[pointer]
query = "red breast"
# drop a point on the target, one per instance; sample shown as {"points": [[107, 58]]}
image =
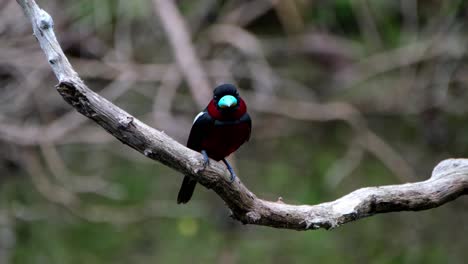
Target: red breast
{"points": [[234, 115]]}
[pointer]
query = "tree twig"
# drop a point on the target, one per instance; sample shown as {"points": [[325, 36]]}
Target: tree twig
{"points": [[449, 179], [184, 52]]}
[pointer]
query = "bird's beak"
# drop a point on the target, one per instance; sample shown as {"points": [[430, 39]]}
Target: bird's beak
{"points": [[227, 101]]}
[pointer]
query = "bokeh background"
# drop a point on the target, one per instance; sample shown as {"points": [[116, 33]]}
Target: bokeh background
{"points": [[343, 94]]}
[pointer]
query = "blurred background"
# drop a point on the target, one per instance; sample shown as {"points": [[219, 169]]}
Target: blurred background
{"points": [[343, 94]]}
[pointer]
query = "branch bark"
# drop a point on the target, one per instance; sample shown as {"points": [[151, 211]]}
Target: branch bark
{"points": [[449, 179]]}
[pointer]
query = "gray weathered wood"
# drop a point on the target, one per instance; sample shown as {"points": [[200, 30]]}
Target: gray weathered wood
{"points": [[448, 181]]}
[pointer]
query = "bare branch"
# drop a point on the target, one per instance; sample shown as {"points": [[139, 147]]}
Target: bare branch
{"points": [[184, 52], [449, 179], [247, 12]]}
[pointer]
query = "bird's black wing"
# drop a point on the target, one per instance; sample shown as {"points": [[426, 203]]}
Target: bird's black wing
{"points": [[246, 119], [202, 123]]}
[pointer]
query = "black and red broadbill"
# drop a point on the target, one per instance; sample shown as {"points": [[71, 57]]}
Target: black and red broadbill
{"points": [[218, 131]]}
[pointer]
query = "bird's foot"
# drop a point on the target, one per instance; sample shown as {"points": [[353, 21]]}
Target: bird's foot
{"points": [[206, 160], [230, 169]]}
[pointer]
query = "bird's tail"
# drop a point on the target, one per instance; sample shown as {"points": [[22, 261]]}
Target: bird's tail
{"points": [[186, 190]]}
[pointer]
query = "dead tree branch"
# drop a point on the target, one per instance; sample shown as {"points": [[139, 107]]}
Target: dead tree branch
{"points": [[449, 179]]}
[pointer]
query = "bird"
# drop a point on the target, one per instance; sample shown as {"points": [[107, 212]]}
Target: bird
{"points": [[217, 131]]}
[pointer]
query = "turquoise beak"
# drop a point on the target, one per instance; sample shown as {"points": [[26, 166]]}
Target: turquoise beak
{"points": [[227, 101]]}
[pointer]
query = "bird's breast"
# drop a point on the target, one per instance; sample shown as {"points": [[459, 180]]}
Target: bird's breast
{"points": [[222, 140]]}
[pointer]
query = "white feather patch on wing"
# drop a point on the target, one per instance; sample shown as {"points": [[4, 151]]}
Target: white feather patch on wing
{"points": [[198, 116]]}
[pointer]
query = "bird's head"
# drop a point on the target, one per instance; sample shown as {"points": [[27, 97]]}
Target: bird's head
{"points": [[226, 97]]}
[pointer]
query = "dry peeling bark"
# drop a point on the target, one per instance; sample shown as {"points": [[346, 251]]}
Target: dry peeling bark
{"points": [[449, 179]]}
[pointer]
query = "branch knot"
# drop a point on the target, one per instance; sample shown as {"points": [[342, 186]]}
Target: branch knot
{"points": [[253, 216], [45, 20], [448, 167]]}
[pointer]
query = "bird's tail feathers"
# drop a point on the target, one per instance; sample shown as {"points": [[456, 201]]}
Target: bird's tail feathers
{"points": [[186, 190]]}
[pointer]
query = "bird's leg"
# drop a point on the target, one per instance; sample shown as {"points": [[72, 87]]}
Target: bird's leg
{"points": [[230, 169], [206, 159]]}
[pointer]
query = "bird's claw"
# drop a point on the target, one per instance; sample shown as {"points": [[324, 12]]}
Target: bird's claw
{"points": [[233, 174], [206, 159]]}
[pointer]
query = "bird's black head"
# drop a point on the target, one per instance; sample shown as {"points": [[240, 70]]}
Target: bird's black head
{"points": [[225, 89], [226, 97]]}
